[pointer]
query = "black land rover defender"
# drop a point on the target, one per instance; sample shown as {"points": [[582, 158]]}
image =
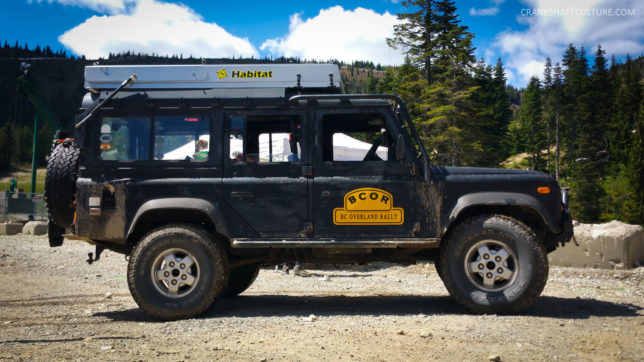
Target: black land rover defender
{"points": [[202, 174]]}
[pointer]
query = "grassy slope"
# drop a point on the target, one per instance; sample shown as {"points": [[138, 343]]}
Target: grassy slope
{"points": [[23, 175]]}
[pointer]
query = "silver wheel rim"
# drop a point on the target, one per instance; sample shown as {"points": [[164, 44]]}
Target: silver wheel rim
{"points": [[491, 265], [175, 273]]}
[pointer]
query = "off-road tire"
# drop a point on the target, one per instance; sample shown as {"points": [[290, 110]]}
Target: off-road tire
{"points": [[60, 183], [241, 278], [521, 290], [211, 278]]}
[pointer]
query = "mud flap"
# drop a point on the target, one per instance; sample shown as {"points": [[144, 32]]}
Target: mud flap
{"points": [[55, 234]]}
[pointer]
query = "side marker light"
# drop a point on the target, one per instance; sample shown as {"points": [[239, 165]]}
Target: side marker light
{"points": [[543, 190]]}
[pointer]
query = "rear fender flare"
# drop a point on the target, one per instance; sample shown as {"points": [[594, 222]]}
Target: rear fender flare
{"points": [[179, 204]]}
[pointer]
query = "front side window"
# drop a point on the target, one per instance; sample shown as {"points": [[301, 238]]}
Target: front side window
{"points": [[124, 138], [181, 138], [356, 137]]}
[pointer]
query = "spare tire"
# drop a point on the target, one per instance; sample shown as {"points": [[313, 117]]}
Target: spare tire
{"points": [[60, 183]]}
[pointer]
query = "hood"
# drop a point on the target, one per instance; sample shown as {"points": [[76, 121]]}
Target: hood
{"points": [[452, 170]]}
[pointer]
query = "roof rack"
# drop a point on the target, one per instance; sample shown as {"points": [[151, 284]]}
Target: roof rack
{"points": [[208, 76]]}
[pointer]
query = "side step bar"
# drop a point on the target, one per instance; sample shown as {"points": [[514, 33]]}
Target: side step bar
{"points": [[336, 243]]}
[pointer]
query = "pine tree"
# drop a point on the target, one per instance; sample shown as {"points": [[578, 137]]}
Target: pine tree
{"points": [[409, 84], [6, 146], [547, 107], [502, 113], [372, 84], [601, 104], [449, 117], [494, 113], [484, 100], [415, 34], [532, 124], [634, 207], [556, 91], [593, 104], [571, 89], [627, 101], [386, 83]]}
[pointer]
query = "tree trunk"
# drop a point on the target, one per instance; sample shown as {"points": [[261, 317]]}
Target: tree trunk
{"points": [[557, 146], [548, 143]]}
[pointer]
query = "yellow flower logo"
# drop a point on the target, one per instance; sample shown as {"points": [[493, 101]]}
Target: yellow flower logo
{"points": [[222, 73]]}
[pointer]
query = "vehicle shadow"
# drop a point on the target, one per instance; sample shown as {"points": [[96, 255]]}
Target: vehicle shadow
{"points": [[399, 305]]}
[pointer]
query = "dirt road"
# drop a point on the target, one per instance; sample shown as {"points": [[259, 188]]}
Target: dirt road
{"points": [[54, 306]]}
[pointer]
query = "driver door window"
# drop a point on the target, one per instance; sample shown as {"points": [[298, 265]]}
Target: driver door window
{"points": [[355, 137]]}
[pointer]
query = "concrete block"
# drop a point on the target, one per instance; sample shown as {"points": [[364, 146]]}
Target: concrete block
{"points": [[7, 228], [35, 228], [614, 245]]}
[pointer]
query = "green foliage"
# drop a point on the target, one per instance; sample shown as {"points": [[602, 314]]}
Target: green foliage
{"points": [[627, 100], [6, 133], [22, 142], [437, 83], [494, 112], [618, 193], [449, 131], [531, 124], [416, 33], [601, 110], [635, 206]]}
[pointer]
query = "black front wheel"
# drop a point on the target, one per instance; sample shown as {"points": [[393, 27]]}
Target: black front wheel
{"points": [[177, 271], [494, 264]]}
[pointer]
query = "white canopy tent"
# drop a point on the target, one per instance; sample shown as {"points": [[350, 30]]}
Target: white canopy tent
{"points": [[345, 148]]}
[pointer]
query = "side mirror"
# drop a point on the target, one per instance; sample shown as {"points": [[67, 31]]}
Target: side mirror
{"points": [[400, 148]]}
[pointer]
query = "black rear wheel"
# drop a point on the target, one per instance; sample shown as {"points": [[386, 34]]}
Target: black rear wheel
{"points": [[177, 271]]}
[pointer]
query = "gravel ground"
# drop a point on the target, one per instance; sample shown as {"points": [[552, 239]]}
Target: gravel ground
{"points": [[54, 306]]}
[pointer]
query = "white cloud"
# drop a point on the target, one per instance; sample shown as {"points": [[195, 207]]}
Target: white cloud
{"points": [[577, 22], [484, 12], [492, 10], [341, 34], [101, 6], [151, 26]]}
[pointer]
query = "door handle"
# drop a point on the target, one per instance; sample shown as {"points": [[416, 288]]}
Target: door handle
{"points": [[326, 194], [241, 194]]}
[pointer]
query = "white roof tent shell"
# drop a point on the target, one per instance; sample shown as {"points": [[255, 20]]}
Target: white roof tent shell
{"points": [[238, 80]]}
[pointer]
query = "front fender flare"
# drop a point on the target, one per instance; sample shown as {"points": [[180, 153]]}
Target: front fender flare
{"points": [[502, 199]]}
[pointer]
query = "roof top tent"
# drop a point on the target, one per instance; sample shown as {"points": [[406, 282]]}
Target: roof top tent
{"points": [[218, 81]]}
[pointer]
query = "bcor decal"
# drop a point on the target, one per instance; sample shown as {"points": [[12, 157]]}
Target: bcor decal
{"points": [[368, 206]]}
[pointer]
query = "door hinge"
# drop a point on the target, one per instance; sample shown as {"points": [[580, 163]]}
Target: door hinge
{"points": [[412, 169]]}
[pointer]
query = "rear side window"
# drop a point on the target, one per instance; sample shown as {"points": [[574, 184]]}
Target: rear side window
{"points": [[165, 138], [125, 138], [265, 139], [181, 138]]}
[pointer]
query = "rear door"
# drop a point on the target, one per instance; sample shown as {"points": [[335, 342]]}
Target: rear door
{"points": [[264, 190]]}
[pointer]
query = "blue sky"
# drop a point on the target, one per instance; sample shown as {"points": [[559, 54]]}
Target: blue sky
{"points": [[341, 29]]}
